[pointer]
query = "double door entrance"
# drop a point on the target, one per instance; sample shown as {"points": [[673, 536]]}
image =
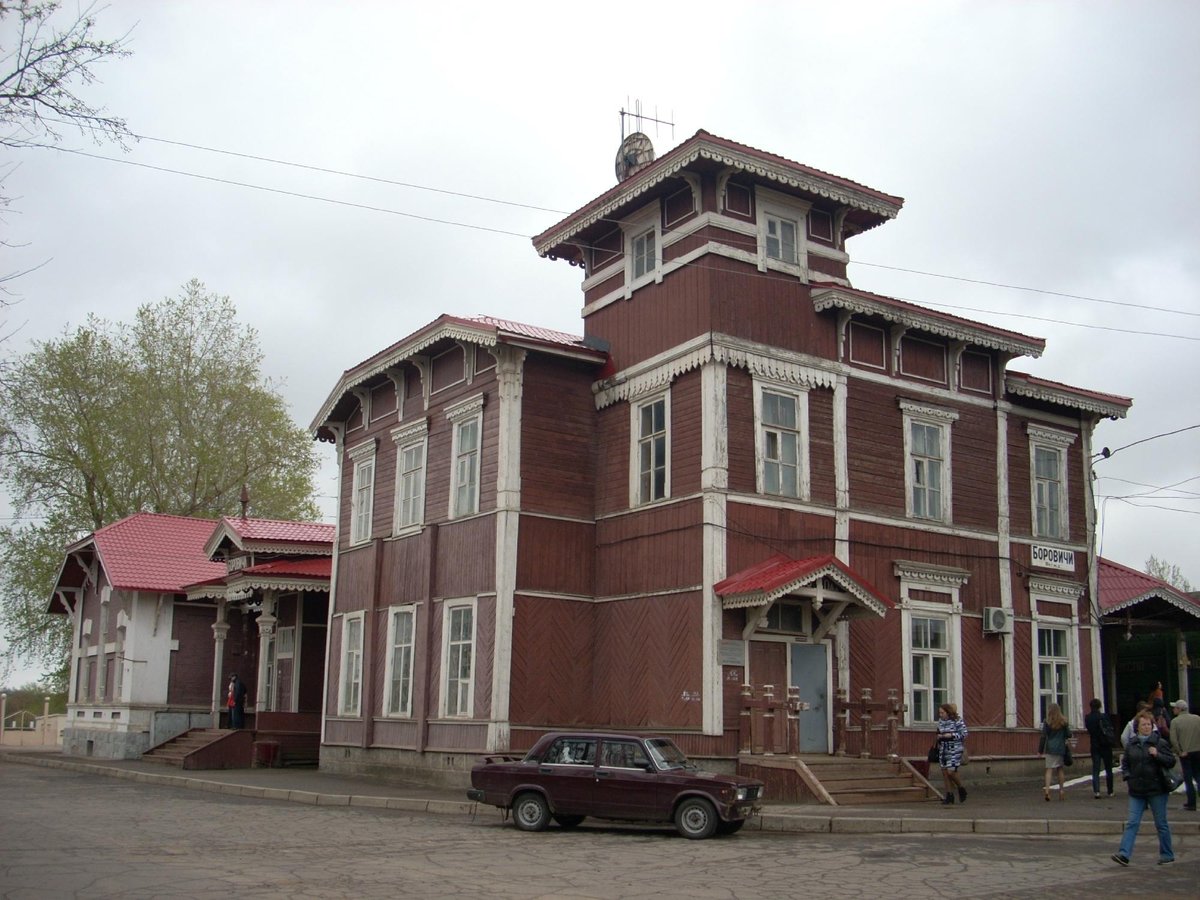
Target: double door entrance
{"points": [[807, 668]]}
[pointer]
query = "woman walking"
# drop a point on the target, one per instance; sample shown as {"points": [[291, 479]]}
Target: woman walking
{"points": [[1144, 766], [1054, 744], [952, 735]]}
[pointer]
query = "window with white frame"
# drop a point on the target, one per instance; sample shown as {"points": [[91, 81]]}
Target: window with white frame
{"points": [[644, 258], [643, 246], [1048, 464], [351, 671], [458, 627], [782, 441], [362, 491], [467, 420], [927, 461], [781, 239], [930, 666], [651, 448], [781, 235], [931, 618], [411, 444], [1054, 670], [399, 674]]}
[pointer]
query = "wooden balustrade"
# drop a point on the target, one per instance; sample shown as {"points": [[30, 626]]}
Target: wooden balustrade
{"points": [[858, 723], [770, 722]]}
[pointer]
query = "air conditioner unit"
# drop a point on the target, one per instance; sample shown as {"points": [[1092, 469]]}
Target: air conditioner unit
{"points": [[996, 620]]}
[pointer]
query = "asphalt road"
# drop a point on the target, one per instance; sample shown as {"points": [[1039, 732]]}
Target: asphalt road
{"points": [[68, 834]]}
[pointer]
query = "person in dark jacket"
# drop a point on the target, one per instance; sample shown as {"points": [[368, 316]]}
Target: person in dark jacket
{"points": [[1144, 766], [236, 700], [1055, 745], [1100, 730]]}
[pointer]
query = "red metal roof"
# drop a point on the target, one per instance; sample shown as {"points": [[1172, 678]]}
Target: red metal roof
{"points": [[780, 572], [155, 552], [318, 568], [252, 529], [1121, 587]]}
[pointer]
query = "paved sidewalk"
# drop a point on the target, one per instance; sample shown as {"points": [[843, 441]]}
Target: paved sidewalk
{"points": [[998, 809]]}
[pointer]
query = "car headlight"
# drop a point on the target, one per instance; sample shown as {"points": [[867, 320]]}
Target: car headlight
{"points": [[743, 794]]}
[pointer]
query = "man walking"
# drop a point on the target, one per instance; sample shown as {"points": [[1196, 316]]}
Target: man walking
{"points": [[1185, 741], [1103, 738]]}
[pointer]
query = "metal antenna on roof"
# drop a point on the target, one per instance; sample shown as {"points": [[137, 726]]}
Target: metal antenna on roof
{"points": [[244, 499], [638, 119]]}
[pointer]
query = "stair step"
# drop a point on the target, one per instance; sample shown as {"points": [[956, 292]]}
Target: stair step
{"points": [[890, 795], [874, 783]]}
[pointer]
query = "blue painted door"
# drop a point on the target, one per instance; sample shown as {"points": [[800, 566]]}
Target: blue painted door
{"points": [[810, 673]]}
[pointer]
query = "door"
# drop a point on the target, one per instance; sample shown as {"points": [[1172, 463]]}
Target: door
{"points": [[810, 673]]}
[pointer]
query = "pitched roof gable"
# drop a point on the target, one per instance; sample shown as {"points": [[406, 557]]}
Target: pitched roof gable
{"points": [[1121, 587], [153, 552]]}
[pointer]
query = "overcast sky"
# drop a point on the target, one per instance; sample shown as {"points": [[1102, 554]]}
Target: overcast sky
{"points": [[1050, 146]]}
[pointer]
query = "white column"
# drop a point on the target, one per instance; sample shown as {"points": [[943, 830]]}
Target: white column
{"points": [[220, 630], [266, 629], [714, 487], [841, 483], [509, 374], [1004, 566]]}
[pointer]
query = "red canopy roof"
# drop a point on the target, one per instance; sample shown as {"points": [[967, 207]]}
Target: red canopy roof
{"points": [[1121, 587], [779, 575], [278, 530]]}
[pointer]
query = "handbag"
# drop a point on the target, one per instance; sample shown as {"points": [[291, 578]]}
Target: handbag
{"points": [[1171, 779], [965, 758], [1068, 759], [934, 754]]}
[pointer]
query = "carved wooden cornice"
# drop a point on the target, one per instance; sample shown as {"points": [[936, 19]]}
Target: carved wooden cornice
{"points": [[1055, 588], [1064, 396], [759, 361], [925, 573]]}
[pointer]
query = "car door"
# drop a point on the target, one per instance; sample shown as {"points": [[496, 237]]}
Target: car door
{"points": [[567, 774], [626, 782]]}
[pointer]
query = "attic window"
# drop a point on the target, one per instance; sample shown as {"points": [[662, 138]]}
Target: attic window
{"points": [[820, 225]]}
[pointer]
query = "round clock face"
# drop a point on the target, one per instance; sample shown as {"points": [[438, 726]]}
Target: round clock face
{"points": [[635, 152]]}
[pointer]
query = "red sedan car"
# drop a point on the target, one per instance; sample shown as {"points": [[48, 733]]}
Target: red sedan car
{"points": [[570, 776]]}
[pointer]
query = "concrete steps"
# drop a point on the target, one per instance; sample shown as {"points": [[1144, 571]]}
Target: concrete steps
{"points": [[174, 751]]}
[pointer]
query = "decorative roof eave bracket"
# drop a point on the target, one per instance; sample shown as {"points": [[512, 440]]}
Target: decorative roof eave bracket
{"points": [[1081, 402], [1178, 602], [835, 298], [777, 172]]}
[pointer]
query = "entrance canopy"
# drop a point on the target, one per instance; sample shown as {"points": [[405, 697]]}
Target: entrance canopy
{"points": [[1134, 600], [824, 586]]}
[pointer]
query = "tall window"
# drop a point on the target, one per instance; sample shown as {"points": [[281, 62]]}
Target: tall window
{"points": [[400, 661], [927, 461], [781, 443], [362, 492], [1054, 670], [351, 675], [781, 239], [410, 479], [930, 665], [650, 450], [467, 419], [1048, 491], [459, 656], [644, 258]]}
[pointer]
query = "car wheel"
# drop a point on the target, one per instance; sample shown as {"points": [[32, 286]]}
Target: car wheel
{"points": [[530, 812], [696, 819], [568, 821], [730, 827]]}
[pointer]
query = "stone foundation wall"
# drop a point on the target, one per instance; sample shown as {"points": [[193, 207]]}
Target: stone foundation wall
{"points": [[452, 770], [104, 744]]}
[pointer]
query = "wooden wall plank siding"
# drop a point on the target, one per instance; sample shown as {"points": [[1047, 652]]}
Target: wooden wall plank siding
{"points": [[343, 732], [456, 737], [652, 549], [973, 468], [483, 659], [647, 662], [739, 407], [686, 433], [558, 444], [356, 578], [875, 446], [552, 662], [556, 556], [466, 558], [397, 733], [612, 459], [820, 447], [191, 667], [754, 533], [875, 547], [406, 569], [1023, 647]]}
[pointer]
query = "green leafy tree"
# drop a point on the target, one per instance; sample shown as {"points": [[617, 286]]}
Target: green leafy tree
{"points": [[168, 414], [1165, 571]]}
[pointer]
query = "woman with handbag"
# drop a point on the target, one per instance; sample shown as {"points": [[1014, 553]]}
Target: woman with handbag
{"points": [[951, 746], [1054, 744], [1144, 767]]}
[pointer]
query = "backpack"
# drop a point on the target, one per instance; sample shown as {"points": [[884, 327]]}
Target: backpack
{"points": [[1108, 737]]}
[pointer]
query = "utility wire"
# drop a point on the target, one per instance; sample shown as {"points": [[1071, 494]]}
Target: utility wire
{"points": [[520, 205], [1108, 454]]}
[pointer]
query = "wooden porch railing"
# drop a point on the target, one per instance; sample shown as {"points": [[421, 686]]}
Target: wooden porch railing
{"points": [[769, 722], [867, 727]]}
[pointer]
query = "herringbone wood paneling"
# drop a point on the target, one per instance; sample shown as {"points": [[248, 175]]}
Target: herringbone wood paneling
{"points": [[552, 662]]}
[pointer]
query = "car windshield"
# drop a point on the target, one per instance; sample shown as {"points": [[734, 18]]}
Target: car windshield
{"points": [[666, 755]]}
